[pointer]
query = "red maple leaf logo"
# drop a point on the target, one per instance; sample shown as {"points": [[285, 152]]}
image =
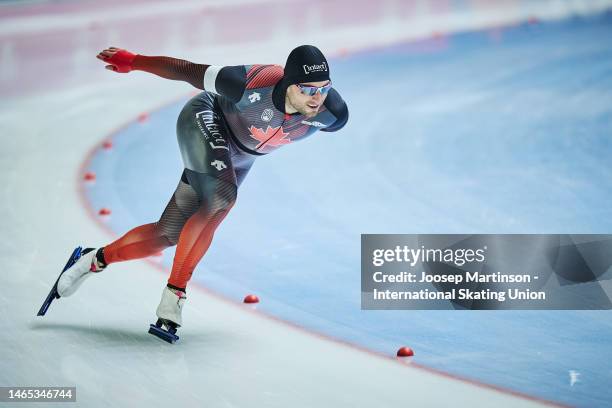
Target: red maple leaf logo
{"points": [[273, 136]]}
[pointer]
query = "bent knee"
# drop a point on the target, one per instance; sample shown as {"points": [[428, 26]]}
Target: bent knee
{"points": [[169, 231], [172, 237]]}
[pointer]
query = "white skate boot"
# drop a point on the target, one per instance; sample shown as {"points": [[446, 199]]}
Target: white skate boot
{"points": [[85, 267], [171, 306], [169, 315]]}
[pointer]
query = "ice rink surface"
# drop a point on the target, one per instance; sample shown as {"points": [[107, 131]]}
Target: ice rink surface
{"points": [[498, 131]]}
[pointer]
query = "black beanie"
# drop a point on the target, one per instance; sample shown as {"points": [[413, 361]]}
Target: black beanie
{"points": [[306, 63]]}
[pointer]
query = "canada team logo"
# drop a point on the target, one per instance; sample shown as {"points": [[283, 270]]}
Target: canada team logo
{"points": [[267, 115], [272, 136]]}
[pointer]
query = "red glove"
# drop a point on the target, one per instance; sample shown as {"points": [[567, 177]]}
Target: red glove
{"points": [[119, 60]]}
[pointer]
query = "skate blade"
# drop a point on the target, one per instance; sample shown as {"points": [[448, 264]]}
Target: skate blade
{"points": [[76, 254], [158, 331]]}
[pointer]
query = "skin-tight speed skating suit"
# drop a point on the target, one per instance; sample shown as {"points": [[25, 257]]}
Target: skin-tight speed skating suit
{"points": [[240, 115]]}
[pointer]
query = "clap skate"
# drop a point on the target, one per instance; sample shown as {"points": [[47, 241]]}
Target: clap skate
{"points": [[168, 315], [79, 267], [76, 254]]}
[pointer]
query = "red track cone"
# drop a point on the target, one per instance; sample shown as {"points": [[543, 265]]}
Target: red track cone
{"points": [[104, 211], [251, 299], [405, 352]]}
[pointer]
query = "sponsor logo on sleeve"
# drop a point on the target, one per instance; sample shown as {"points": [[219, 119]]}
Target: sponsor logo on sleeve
{"points": [[313, 123], [254, 97]]}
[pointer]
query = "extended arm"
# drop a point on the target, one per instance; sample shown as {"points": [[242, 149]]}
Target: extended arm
{"points": [[123, 61]]}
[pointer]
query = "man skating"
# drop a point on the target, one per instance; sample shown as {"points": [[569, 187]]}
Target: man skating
{"points": [[245, 111]]}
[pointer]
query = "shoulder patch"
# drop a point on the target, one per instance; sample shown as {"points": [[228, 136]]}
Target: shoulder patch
{"points": [[261, 76]]}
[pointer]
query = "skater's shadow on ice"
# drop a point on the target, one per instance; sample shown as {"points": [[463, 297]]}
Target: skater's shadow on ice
{"points": [[100, 333], [126, 337]]}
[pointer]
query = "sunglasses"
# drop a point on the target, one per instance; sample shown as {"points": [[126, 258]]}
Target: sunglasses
{"points": [[312, 90]]}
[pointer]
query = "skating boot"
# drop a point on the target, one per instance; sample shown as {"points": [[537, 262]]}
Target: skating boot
{"points": [[80, 265], [85, 267], [169, 315]]}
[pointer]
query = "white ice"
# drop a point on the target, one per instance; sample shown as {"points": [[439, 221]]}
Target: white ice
{"points": [[229, 355]]}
